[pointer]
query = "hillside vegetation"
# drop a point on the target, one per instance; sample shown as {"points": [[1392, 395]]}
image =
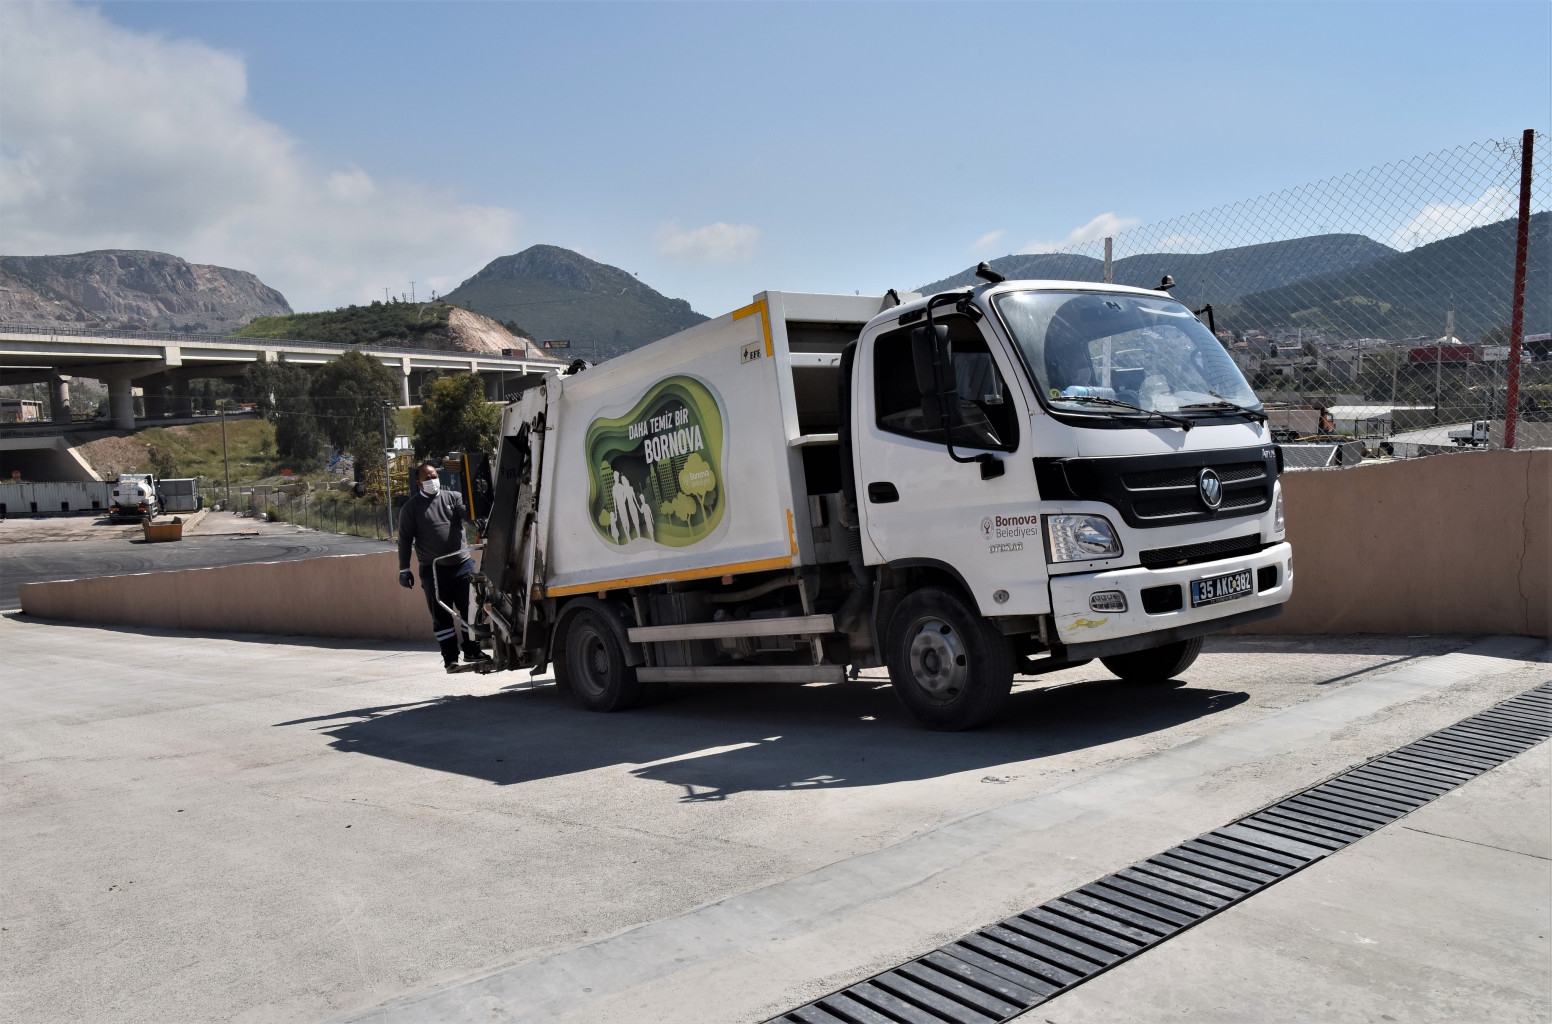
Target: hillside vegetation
{"points": [[379, 322], [1220, 277], [431, 325], [1346, 286], [1408, 294]]}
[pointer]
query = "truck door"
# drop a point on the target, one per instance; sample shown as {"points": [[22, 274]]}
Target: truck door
{"points": [[920, 506]]}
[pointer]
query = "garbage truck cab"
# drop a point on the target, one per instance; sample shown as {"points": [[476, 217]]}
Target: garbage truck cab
{"points": [[1002, 479]]}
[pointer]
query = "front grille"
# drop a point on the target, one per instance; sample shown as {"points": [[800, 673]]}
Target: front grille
{"points": [[1162, 490], [1244, 499], [1188, 554]]}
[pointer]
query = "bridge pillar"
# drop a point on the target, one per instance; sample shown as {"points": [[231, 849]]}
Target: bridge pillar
{"points": [[404, 381], [155, 391], [59, 397], [182, 400], [121, 403]]}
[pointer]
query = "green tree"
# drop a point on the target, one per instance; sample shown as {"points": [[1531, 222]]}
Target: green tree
{"points": [[455, 417], [348, 396], [163, 463], [281, 391]]}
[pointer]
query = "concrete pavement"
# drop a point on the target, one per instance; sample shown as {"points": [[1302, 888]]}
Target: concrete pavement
{"points": [[248, 829]]}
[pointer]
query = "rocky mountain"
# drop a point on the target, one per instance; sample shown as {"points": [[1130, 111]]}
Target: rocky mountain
{"points": [[555, 293], [1220, 277], [129, 288], [437, 325]]}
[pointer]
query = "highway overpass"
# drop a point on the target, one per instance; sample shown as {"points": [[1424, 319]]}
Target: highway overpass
{"points": [[34, 353]]}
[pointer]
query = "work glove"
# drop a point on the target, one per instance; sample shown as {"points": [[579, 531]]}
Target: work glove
{"points": [[407, 579]]}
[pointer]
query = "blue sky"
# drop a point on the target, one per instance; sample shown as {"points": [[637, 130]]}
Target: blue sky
{"points": [[720, 149]]}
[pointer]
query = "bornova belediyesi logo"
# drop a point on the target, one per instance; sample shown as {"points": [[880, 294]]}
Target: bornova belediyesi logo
{"points": [[1010, 527]]}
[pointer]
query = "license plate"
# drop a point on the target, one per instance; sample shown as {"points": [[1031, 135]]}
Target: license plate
{"points": [[1222, 588]]}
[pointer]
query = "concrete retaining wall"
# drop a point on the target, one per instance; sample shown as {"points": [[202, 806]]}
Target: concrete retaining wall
{"points": [[1451, 544], [336, 595]]}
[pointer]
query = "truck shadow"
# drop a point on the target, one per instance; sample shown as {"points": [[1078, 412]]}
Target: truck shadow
{"points": [[714, 742]]}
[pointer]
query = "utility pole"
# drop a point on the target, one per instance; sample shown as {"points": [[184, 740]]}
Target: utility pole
{"points": [[1517, 317], [412, 291], [1109, 266], [387, 468], [225, 458], [385, 296]]}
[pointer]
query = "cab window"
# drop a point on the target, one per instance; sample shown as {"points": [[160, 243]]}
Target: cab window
{"points": [[985, 417]]}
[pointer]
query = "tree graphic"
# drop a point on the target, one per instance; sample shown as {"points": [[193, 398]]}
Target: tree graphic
{"points": [[697, 479], [682, 507]]}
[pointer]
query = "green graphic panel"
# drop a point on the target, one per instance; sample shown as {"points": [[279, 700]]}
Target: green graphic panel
{"points": [[655, 474]]}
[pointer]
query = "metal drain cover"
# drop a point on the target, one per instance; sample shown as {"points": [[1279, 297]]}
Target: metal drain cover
{"points": [[1006, 968]]}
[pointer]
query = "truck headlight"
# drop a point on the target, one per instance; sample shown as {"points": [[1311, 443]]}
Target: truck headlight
{"points": [[1080, 538], [1277, 512]]}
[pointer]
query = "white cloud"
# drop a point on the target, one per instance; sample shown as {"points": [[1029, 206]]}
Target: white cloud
{"points": [[1441, 220], [714, 243], [122, 139], [1106, 224], [987, 240]]}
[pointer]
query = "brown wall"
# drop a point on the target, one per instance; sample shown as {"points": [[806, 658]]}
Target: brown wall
{"points": [[337, 595], [1450, 544]]}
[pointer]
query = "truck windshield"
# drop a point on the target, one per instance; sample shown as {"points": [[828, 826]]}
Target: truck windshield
{"points": [[1098, 353]]}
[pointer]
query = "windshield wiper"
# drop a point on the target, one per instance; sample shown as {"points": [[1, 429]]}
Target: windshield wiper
{"points": [[1227, 406], [1179, 421]]}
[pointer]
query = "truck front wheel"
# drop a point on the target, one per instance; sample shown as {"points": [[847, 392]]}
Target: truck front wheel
{"points": [[594, 667], [1156, 664], [949, 667]]}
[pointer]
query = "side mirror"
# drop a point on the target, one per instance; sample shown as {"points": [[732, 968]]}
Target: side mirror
{"points": [[933, 361]]}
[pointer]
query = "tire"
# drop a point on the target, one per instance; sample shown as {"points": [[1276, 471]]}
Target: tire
{"points": [[594, 665], [949, 667], [1156, 664]]}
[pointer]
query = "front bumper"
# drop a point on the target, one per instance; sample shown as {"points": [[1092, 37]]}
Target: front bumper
{"points": [[1090, 634]]}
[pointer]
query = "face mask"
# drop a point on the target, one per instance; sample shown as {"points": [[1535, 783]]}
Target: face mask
{"points": [[430, 487]]}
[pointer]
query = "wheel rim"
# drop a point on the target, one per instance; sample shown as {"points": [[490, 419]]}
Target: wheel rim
{"points": [[939, 663], [591, 662]]}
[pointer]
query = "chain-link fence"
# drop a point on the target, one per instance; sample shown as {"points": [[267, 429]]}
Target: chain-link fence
{"points": [[326, 511], [1374, 306]]}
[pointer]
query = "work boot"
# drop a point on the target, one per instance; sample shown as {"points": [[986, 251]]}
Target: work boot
{"points": [[449, 653], [472, 653]]}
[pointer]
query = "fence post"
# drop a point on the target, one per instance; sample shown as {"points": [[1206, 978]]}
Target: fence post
{"points": [[1517, 320]]}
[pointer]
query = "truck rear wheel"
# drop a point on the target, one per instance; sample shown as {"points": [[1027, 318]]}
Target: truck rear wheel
{"points": [[1156, 664], [949, 667], [594, 667]]}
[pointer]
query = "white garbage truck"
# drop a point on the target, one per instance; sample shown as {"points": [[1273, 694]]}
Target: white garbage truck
{"points": [[998, 480]]}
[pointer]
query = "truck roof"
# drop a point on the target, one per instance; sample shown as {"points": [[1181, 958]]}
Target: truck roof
{"points": [[918, 300]]}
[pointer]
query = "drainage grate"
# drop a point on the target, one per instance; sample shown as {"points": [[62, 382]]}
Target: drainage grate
{"points": [[1003, 970]]}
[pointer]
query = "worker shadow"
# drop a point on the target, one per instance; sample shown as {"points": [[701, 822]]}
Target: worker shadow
{"points": [[714, 742]]}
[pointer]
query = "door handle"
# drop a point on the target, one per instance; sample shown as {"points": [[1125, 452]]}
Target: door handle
{"points": [[882, 492]]}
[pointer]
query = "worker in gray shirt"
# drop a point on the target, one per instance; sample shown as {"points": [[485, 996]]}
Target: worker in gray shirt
{"points": [[432, 521]]}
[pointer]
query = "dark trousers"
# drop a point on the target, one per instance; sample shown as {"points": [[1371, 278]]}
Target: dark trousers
{"points": [[453, 584]]}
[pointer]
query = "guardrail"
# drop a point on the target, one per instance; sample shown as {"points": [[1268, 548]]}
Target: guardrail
{"points": [[65, 331]]}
